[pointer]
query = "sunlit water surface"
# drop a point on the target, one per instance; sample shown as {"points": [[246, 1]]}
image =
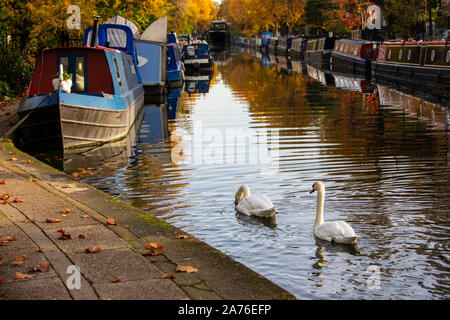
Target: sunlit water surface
{"points": [[383, 156]]}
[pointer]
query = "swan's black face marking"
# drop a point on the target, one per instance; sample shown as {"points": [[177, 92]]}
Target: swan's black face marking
{"points": [[313, 188]]}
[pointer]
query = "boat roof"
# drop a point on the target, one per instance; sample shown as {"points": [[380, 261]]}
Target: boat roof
{"points": [[356, 41], [113, 36], [401, 42], [121, 20]]}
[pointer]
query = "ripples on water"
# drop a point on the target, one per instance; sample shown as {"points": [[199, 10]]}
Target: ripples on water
{"points": [[383, 156]]}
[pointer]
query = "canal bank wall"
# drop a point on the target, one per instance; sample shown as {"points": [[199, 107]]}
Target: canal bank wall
{"points": [[63, 239]]}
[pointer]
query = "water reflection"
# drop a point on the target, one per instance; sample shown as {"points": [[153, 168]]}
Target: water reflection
{"points": [[383, 155], [198, 83]]}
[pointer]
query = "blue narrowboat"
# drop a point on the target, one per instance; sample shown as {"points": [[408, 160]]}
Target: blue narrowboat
{"points": [[81, 96], [175, 67], [265, 40], [284, 45], [196, 57], [151, 50]]}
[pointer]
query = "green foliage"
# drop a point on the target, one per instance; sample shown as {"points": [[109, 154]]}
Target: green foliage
{"points": [[65, 75], [16, 68], [5, 91], [317, 13], [339, 29]]}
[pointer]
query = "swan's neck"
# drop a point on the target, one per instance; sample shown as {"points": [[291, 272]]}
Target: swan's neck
{"points": [[320, 203]]}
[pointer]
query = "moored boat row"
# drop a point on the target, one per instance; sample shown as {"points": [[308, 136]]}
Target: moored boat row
{"points": [[424, 65], [92, 94]]}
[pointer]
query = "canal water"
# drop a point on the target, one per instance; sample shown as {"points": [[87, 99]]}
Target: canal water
{"points": [[278, 126]]}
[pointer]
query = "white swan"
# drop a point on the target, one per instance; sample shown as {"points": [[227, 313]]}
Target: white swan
{"points": [[253, 205], [333, 231]]}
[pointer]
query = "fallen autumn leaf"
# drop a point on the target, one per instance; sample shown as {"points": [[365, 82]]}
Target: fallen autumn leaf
{"points": [[19, 260], [111, 221], [64, 235], [92, 250], [20, 275], [187, 269]]}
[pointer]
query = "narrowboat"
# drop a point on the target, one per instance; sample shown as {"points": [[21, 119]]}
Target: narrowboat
{"points": [[175, 67], [318, 52], [298, 47], [219, 33], [83, 96], [423, 65], [151, 50], [353, 56], [265, 40], [258, 43], [284, 45], [251, 42], [104, 157], [239, 41], [273, 43], [196, 57]]}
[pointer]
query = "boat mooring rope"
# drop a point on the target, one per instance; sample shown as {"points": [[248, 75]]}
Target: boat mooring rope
{"points": [[11, 130]]}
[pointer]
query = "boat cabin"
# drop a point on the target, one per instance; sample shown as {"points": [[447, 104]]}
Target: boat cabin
{"points": [[433, 53], [365, 50], [114, 36]]}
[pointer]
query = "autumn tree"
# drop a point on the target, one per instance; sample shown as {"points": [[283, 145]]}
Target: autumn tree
{"points": [[187, 16], [253, 16], [318, 13]]}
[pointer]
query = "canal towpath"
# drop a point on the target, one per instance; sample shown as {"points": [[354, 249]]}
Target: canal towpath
{"points": [[63, 239]]}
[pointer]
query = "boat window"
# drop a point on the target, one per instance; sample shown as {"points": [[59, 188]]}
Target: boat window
{"points": [[117, 38], [432, 55], [389, 54], [355, 52], [127, 72], [80, 76], [400, 54], [133, 69], [65, 62], [409, 54], [116, 66], [447, 57]]}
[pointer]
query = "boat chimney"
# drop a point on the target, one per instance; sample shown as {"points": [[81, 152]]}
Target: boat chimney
{"points": [[95, 31]]}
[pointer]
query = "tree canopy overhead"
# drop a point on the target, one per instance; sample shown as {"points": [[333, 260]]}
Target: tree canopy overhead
{"points": [[39, 23]]}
